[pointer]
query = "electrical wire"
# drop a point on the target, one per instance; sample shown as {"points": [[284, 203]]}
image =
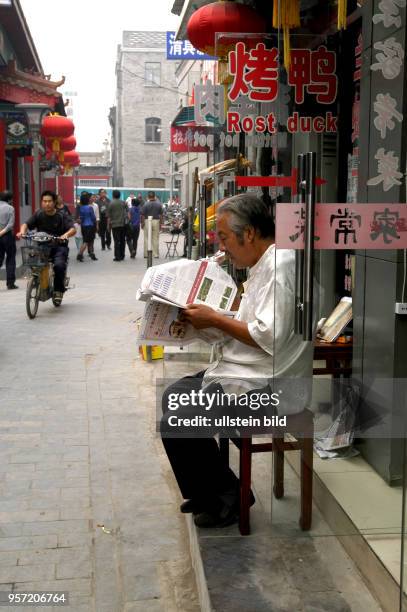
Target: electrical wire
{"points": [[143, 78]]}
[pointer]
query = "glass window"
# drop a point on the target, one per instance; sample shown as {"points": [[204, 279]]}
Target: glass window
{"points": [[152, 74], [153, 129]]}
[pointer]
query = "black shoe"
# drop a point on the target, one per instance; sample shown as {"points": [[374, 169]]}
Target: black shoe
{"points": [[190, 506], [227, 517], [13, 286], [115, 259], [103, 249], [79, 257], [108, 248], [93, 257]]}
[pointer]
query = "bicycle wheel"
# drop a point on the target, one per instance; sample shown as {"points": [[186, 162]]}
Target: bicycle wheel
{"points": [[32, 296]]}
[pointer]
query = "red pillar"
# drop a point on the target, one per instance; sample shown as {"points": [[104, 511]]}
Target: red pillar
{"points": [[16, 191], [2, 155]]}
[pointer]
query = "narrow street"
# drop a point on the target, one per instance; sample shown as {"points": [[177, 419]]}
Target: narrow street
{"points": [[86, 501]]}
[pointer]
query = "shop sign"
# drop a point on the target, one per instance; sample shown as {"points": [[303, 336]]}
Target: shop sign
{"points": [[183, 50], [186, 139], [16, 129], [254, 76], [344, 226], [389, 14], [387, 116]]}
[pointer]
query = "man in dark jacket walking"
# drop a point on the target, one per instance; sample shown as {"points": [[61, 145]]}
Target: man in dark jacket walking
{"points": [[117, 213], [7, 239], [104, 231]]}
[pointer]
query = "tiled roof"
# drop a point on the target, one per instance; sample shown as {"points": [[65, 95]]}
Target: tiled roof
{"points": [[144, 39]]}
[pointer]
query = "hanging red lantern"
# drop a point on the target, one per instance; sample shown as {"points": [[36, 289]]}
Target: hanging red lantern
{"points": [[71, 160], [55, 128], [66, 144], [222, 16]]}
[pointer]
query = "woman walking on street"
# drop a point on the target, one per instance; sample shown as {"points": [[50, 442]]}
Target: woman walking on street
{"points": [[88, 227], [134, 227]]}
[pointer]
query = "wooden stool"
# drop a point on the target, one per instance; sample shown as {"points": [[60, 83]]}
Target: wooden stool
{"points": [[301, 424]]}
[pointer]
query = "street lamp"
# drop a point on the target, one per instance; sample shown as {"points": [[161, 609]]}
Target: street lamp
{"points": [[35, 113]]}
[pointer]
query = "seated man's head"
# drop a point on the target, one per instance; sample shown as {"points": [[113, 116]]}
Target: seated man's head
{"points": [[48, 202], [245, 229]]}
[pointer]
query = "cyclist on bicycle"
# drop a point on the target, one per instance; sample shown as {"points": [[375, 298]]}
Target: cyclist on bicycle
{"points": [[53, 222]]}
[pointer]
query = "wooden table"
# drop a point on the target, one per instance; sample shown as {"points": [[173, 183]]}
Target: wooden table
{"points": [[337, 356]]}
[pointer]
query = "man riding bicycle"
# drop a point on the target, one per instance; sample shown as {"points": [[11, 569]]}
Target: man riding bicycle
{"points": [[53, 222]]}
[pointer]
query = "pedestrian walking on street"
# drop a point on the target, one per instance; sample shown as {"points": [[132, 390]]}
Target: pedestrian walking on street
{"points": [[7, 238], [61, 206], [104, 231], [152, 208], [93, 203], [133, 230], [88, 226], [118, 220]]}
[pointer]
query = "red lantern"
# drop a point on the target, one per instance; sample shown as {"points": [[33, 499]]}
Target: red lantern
{"points": [[222, 16], [55, 128], [71, 160], [66, 144]]}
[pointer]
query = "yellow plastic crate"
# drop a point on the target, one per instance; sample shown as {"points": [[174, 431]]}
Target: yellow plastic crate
{"points": [[157, 352]]}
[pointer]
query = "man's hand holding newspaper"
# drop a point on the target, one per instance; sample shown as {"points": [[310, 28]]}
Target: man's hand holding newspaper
{"points": [[171, 288]]}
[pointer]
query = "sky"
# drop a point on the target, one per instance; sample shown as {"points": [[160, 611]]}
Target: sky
{"points": [[78, 39]]}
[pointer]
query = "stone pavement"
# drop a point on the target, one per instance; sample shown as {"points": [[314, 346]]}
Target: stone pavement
{"points": [[87, 501]]}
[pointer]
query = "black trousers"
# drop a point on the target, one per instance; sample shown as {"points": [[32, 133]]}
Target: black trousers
{"points": [[8, 250], [132, 234], [59, 256], [104, 233], [201, 473], [119, 237]]}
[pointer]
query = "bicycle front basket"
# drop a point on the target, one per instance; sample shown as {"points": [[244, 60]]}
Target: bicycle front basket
{"points": [[35, 255]]}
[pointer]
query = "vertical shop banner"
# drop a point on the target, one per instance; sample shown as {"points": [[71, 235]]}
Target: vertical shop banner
{"points": [[385, 172], [344, 226]]}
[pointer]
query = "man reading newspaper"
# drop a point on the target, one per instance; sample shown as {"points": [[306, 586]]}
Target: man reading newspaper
{"points": [[246, 359]]}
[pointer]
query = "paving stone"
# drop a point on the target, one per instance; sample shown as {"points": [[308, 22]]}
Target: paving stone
{"points": [[28, 542], [27, 573]]}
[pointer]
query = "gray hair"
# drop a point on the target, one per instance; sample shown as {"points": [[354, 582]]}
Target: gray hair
{"points": [[247, 210]]}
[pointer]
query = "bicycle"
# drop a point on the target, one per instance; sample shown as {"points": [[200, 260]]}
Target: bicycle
{"points": [[36, 255]]}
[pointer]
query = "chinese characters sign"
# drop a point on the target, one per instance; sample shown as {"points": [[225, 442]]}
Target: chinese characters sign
{"points": [[16, 129], [344, 226], [192, 139], [255, 79], [182, 49]]}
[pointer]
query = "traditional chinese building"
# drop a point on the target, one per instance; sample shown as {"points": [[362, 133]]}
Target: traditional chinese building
{"points": [[22, 80], [146, 103]]}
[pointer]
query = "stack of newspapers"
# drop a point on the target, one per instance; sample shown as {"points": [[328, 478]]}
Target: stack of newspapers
{"points": [[168, 288]]}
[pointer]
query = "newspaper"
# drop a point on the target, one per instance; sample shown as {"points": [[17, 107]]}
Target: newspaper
{"points": [[168, 288], [337, 321], [185, 282]]}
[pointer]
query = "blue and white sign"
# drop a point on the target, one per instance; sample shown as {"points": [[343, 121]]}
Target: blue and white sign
{"points": [[183, 50]]}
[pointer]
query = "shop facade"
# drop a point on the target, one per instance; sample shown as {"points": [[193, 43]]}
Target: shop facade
{"points": [[337, 92], [22, 80]]}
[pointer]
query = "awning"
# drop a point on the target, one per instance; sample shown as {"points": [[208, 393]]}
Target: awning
{"points": [[186, 116]]}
